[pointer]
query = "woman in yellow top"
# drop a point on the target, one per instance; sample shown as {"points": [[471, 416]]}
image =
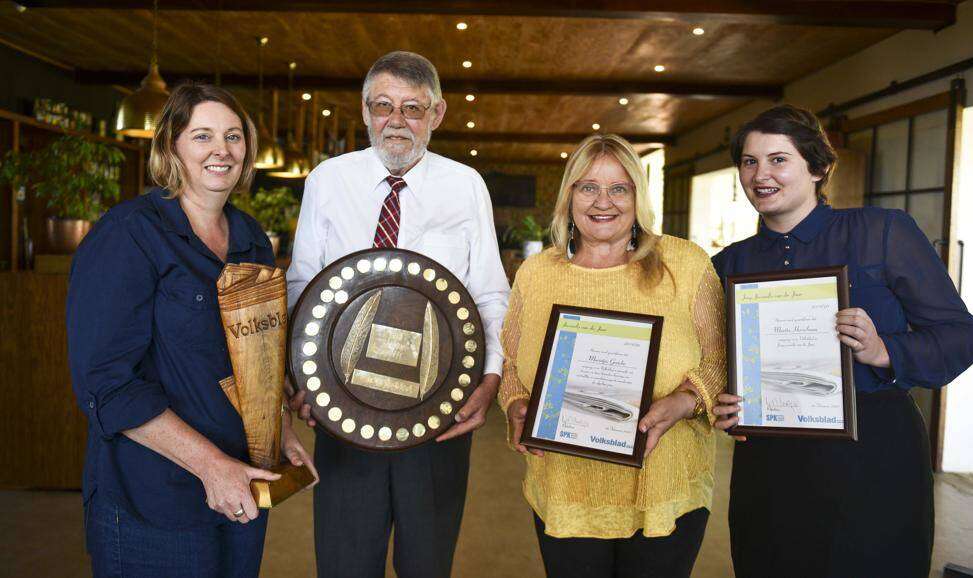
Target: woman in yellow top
{"points": [[593, 518]]}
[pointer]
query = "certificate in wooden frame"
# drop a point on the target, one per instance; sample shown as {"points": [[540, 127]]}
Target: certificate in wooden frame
{"points": [[594, 382], [784, 357]]}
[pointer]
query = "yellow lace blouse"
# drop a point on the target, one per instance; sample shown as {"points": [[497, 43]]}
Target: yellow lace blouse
{"points": [[578, 497]]}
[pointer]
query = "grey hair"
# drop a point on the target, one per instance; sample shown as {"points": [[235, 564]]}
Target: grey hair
{"points": [[408, 66]]}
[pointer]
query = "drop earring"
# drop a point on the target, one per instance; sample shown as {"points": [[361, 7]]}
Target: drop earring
{"points": [[571, 248], [634, 241]]}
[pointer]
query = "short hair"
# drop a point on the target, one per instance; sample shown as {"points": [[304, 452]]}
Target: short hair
{"points": [[590, 149], [408, 66], [164, 165], [806, 134]]}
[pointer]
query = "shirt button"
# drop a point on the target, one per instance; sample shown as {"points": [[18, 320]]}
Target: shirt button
{"points": [[91, 404], [787, 236], [787, 247], [199, 298], [786, 262]]}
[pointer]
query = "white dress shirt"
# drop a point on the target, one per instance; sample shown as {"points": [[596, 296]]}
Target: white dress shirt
{"points": [[446, 215]]}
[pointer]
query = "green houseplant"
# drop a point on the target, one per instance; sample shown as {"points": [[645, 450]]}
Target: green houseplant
{"points": [[529, 234], [76, 177], [275, 209]]}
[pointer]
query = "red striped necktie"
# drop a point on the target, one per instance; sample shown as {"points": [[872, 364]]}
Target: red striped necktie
{"points": [[387, 231]]}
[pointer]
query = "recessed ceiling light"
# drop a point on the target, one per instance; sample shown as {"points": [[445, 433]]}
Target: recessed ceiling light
{"points": [[292, 65], [326, 112], [470, 97], [473, 152], [659, 68], [467, 64], [564, 155], [264, 40], [595, 126], [306, 96], [20, 7], [461, 26], [698, 31], [471, 124], [623, 101]]}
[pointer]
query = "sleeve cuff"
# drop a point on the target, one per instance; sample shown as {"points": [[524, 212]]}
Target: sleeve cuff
{"points": [[128, 409], [708, 401], [888, 375]]}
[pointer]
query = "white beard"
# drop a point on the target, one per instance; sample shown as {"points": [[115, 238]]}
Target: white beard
{"points": [[395, 162]]}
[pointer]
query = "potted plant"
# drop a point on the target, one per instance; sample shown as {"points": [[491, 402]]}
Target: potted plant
{"points": [[529, 235], [78, 179], [275, 209]]}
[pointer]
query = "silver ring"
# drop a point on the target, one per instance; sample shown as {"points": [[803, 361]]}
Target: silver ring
{"points": [[238, 513]]}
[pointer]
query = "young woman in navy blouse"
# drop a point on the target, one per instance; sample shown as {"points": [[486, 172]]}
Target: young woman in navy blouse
{"points": [[828, 508], [166, 483]]}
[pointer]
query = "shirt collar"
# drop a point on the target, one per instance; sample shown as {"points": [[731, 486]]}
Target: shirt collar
{"points": [[243, 232], [414, 178], [806, 230]]}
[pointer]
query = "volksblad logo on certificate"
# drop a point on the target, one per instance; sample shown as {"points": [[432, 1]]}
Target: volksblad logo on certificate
{"points": [[785, 358], [594, 380], [388, 345]]}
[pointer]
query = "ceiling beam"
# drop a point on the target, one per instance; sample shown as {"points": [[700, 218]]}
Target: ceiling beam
{"points": [[902, 14], [479, 87], [475, 137]]}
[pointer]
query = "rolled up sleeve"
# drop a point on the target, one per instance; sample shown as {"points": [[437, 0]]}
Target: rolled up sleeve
{"points": [[110, 308]]}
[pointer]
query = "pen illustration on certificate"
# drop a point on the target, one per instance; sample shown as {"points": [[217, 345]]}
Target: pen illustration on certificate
{"points": [[790, 363], [593, 386]]}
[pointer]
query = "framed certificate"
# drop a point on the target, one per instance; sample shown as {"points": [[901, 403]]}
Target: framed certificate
{"points": [[594, 381], [784, 357]]}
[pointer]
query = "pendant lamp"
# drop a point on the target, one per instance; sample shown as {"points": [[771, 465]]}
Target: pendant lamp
{"points": [[139, 112], [269, 153], [296, 165]]}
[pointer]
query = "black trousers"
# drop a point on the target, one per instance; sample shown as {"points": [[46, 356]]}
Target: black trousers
{"points": [[669, 556], [806, 508], [363, 495]]}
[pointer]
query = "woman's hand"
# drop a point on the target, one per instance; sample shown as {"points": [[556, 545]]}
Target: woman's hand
{"points": [[294, 450], [856, 330], [664, 413], [516, 414], [728, 408], [227, 485]]}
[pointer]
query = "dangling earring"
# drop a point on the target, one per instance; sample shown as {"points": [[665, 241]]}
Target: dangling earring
{"points": [[634, 242], [571, 240]]}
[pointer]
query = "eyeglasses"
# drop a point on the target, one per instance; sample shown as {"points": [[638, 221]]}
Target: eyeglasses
{"points": [[382, 109], [616, 192]]}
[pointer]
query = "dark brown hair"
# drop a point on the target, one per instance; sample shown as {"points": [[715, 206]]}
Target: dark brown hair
{"points": [[164, 164], [806, 134]]}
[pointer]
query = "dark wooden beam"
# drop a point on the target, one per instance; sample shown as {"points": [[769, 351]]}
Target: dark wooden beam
{"points": [[476, 137], [901, 14], [479, 87]]}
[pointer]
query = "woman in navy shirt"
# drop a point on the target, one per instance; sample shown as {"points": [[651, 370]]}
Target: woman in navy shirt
{"points": [[166, 483], [827, 508]]}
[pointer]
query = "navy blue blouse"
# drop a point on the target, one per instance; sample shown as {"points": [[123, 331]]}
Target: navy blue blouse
{"points": [[895, 276], [144, 334]]}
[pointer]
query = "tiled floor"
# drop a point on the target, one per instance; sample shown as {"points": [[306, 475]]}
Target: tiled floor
{"points": [[43, 535]]}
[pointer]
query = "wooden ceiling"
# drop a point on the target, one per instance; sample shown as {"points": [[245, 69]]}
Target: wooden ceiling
{"points": [[542, 71]]}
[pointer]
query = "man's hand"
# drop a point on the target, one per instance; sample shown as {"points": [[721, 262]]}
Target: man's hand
{"points": [[516, 414], [474, 412], [303, 410]]}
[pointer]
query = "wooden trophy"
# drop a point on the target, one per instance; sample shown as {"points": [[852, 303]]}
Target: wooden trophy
{"points": [[253, 305]]}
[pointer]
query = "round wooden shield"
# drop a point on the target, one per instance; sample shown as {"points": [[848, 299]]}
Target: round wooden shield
{"points": [[388, 345]]}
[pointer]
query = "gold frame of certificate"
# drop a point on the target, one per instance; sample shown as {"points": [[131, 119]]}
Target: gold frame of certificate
{"points": [[784, 356], [594, 381]]}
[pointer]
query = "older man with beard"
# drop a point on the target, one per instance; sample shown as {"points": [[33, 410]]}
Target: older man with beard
{"points": [[397, 194]]}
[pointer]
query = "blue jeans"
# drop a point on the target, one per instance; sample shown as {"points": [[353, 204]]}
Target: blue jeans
{"points": [[123, 546]]}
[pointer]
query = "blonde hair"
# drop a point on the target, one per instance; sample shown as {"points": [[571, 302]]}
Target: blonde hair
{"points": [[590, 149], [165, 168]]}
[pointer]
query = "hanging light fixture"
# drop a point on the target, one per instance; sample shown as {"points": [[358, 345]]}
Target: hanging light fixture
{"points": [[296, 165], [140, 111], [269, 153]]}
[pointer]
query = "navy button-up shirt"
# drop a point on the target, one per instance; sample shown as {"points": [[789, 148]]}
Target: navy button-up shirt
{"points": [[895, 276], [144, 334]]}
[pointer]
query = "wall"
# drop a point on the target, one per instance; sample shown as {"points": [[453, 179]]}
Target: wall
{"points": [[25, 78], [548, 181]]}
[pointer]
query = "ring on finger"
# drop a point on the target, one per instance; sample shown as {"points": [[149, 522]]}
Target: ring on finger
{"points": [[238, 513]]}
